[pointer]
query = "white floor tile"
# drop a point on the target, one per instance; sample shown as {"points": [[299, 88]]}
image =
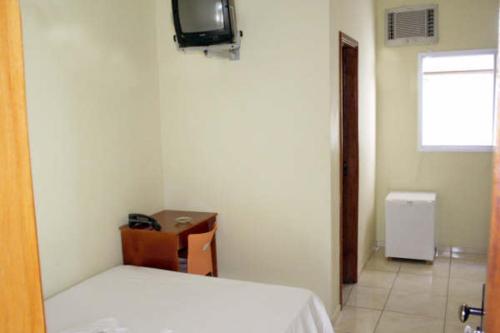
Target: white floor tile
{"points": [[376, 279], [371, 298], [357, 320], [462, 289], [392, 322], [421, 284], [346, 292], [468, 270], [456, 327], [420, 304]]}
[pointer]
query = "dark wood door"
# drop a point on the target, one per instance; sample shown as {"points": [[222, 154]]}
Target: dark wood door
{"points": [[349, 158]]}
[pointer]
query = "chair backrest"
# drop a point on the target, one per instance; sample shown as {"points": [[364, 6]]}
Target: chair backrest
{"points": [[200, 253]]}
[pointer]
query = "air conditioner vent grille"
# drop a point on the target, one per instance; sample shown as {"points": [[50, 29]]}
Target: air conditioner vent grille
{"points": [[412, 25], [391, 26], [431, 23]]}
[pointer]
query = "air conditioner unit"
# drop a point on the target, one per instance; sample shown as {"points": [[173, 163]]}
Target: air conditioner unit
{"points": [[411, 25]]}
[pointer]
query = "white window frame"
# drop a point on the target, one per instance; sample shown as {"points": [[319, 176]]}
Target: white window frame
{"points": [[472, 149]]}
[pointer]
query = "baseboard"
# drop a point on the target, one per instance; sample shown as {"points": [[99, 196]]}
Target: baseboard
{"points": [[468, 250], [453, 249]]}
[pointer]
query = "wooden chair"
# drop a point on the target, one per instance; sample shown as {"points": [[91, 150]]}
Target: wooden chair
{"points": [[199, 257]]}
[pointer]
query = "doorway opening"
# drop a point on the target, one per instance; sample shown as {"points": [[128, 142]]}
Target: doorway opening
{"points": [[349, 160]]}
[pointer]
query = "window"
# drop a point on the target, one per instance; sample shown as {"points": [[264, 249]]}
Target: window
{"points": [[457, 93]]}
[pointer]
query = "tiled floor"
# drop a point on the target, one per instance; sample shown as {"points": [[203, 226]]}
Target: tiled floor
{"points": [[398, 296]]}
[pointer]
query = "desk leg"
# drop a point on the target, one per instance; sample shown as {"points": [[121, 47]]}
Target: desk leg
{"points": [[214, 257]]}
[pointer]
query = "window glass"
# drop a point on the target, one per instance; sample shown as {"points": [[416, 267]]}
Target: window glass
{"points": [[457, 106]]}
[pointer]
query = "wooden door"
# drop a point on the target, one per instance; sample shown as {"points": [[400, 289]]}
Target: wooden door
{"points": [[21, 305], [493, 279], [349, 154]]}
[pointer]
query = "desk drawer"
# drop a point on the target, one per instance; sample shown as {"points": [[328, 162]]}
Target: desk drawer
{"points": [[150, 249]]}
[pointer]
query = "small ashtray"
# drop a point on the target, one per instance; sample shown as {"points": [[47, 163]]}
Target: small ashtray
{"points": [[184, 220]]}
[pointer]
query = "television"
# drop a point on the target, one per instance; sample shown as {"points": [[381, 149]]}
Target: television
{"points": [[203, 23]]}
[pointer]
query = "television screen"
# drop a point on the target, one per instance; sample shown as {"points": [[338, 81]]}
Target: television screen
{"points": [[203, 22], [201, 15]]}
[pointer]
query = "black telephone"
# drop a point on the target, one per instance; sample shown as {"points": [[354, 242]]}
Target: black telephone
{"points": [[141, 221]]}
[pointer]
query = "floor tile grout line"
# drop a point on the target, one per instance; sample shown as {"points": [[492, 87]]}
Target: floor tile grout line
{"points": [[395, 311], [409, 314], [387, 300], [447, 293], [381, 311], [414, 274]]}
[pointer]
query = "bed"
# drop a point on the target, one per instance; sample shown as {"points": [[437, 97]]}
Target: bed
{"points": [[144, 300]]}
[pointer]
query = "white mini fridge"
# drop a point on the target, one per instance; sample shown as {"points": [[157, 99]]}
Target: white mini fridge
{"points": [[410, 225]]}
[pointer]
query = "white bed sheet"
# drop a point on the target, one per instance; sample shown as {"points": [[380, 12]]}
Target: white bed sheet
{"points": [[155, 301]]}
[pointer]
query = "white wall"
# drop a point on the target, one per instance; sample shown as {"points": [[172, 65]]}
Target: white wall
{"points": [[93, 117], [257, 140], [461, 180], [251, 140]]}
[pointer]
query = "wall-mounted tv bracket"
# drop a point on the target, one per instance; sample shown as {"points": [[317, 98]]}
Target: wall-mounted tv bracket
{"points": [[232, 51]]}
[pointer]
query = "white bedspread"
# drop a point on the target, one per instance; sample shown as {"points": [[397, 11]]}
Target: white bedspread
{"points": [[155, 301], [107, 325]]}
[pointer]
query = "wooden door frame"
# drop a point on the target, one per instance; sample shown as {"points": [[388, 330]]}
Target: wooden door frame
{"points": [[493, 276], [21, 302], [347, 41]]}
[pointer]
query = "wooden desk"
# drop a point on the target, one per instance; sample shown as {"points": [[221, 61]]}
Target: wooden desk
{"points": [[160, 249]]}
